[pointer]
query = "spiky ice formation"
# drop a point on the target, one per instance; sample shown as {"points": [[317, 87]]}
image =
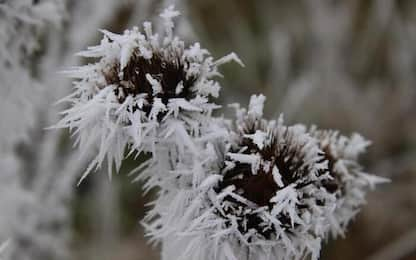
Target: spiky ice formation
{"points": [[140, 84], [349, 182], [260, 197]]}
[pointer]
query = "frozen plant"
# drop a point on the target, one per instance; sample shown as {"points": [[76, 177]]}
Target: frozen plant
{"points": [[349, 182], [36, 172], [275, 174], [22, 25], [33, 215], [261, 196], [264, 191], [252, 189], [141, 84]]}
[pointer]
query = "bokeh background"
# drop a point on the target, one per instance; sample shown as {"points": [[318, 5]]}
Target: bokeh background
{"points": [[348, 65]]}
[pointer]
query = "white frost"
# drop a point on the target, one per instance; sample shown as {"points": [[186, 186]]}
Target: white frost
{"points": [[256, 105], [259, 138]]}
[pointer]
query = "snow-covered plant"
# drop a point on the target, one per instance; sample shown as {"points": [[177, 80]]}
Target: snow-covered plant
{"points": [[273, 185], [36, 173], [140, 84], [252, 189], [32, 211], [349, 182], [260, 197], [22, 25]]}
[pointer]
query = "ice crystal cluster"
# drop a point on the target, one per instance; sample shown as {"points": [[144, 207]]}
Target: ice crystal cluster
{"points": [[141, 85], [349, 181], [243, 188]]}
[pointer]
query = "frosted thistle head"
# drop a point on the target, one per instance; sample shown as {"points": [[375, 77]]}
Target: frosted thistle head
{"points": [[139, 82], [270, 200], [348, 180]]}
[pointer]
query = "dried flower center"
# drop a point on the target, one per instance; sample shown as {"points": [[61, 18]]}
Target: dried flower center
{"points": [[169, 74], [261, 187]]}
